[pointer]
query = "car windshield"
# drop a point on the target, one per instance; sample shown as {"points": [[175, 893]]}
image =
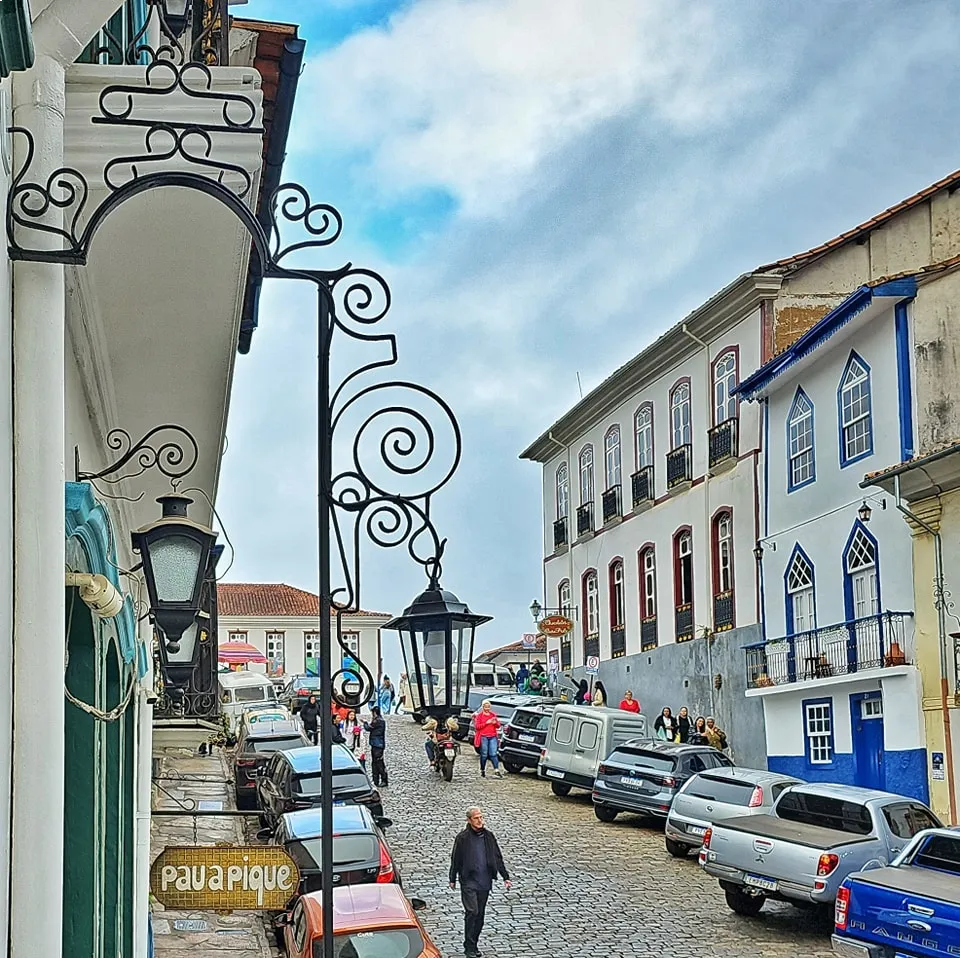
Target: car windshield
{"points": [[273, 744], [719, 790], [643, 759], [825, 812], [347, 780], [382, 943], [253, 693], [347, 850], [531, 720]]}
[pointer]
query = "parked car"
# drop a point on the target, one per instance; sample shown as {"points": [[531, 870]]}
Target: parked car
{"points": [[291, 781], [374, 920], [503, 705], [914, 903], [578, 738], [298, 690], [256, 745], [644, 776], [240, 691], [266, 712], [815, 836], [722, 793], [525, 736], [485, 681]]}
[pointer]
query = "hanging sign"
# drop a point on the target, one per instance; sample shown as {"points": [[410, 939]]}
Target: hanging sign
{"points": [[224, 878], [555, 625]]}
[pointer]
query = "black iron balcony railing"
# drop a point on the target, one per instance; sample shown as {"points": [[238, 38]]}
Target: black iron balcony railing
{"points": [[874, 642], [641, 485], [591, 646], [560, 533], [618, 642], [679, 466], [611, 504], [585, 519], [724, 441], [683, 615], [723, 611], [566, 654], [648, 634]]}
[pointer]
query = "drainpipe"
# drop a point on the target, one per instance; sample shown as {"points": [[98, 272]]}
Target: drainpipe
{"points": [[942, 630], [706, 507]]}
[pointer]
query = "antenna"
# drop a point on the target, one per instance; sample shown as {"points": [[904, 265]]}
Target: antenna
{"points": [[579, 384]]}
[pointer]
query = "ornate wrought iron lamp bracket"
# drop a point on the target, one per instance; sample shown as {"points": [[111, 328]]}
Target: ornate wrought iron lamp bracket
{"points": [[175, 458]]}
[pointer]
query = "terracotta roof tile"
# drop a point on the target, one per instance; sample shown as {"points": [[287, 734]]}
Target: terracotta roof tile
{"points": [[515, 647], [271, 599]]}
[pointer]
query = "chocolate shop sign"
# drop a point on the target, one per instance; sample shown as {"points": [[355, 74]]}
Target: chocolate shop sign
{"points": [[224, 878]]}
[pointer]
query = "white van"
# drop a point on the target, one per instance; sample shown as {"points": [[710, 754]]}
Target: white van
{"points": [[580, 737], [241, 690], [485, 680]]}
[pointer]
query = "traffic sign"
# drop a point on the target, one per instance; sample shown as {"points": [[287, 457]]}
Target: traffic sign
{"points": [[529, 641], [593, 665], [555, 625]]}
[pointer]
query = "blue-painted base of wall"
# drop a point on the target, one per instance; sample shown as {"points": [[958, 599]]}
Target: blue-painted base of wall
{"points": [[905, 773]]}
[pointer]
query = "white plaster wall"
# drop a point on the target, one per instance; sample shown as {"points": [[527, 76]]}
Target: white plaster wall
{"points": [[903, 726], [812, 515]]}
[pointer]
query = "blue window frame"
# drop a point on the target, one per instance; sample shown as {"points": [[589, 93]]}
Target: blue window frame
{"points": [[855, 411], [799, 585], [801, 453], [861, 574], [818, 741]]}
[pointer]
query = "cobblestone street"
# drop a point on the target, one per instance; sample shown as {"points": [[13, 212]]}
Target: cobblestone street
{"points": [[580, 887]]}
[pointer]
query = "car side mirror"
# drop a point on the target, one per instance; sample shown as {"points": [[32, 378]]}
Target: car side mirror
{"points": [[384, 822], [281, 920], [265, 834], [418, 904]]}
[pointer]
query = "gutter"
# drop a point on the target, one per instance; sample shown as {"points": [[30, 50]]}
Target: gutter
{"points": [[291, 65]]}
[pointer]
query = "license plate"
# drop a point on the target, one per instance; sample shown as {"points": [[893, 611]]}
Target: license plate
{"points": [[526, 738], [637, 783], [553, 773], [696, 830], [758, 881]]}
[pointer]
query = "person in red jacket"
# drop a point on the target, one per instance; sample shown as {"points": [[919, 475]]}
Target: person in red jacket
{"points": [[487, 738], [629, 703]]}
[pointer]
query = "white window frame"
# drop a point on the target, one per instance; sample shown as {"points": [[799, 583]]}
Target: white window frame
{"points": [[563, 491], [801, 452], [818, 732], [238, 635], [588, 490], [685, 551], [724, 380], [871, 708], [863, 575], [680, 416], [592, 593], [649, 572], [724, 533], [643, 435], [611, 456], [802, 597], [618, 607], [566, 606], [856, 411], [311, 647], [276, 639]]}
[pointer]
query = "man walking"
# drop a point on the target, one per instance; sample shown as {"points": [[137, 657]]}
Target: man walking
{"points": [[377, 729], [309, 715], [476, 861]]}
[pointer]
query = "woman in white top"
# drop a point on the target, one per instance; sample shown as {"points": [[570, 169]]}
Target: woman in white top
{"points": [[599, 698]]}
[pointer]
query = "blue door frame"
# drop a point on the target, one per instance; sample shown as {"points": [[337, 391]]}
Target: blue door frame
{"points": [[867, 743]]}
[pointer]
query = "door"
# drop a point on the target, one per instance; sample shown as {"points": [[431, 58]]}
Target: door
{"points": [[867, 715], [586, 753], [562, 742]]}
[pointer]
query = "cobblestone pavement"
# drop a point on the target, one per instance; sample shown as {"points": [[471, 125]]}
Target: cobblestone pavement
{"points": [[580, 887]]}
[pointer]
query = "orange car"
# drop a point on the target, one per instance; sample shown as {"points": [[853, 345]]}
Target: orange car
{"points": [[367, 920]]}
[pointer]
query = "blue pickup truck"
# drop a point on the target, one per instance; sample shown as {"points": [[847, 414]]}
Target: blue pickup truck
{"points": [[909, 909]]}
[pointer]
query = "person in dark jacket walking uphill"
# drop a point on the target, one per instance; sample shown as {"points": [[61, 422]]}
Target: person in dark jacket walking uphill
{"points": [[476, 861], [309, 713], [377, 729]]}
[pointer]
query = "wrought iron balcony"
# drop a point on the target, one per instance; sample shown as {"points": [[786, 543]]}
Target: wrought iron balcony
{"points": [[724, 442], [611, 504], [641, 485], [683, 615], [560, 533], [618, 642], [648, 634], [679, 466], [591, 646], [585, 519], [723, 611], [874, 642]]}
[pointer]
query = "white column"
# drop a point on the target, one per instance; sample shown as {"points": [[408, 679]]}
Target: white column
{"points": [[143, 800], [38, 638]]}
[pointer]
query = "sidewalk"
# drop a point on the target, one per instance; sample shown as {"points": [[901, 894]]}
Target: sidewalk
{"points": [[195, 778]]}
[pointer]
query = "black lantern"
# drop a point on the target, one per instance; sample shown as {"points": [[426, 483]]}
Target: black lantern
{"points": [[176, 14], [436, 636], [175, 551], [864, 512], [535, 610]]}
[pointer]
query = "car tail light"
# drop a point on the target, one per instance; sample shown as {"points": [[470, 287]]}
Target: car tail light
{"points": [[385, 875], [756, 799], [707, 835], [827, 864], [603, 770], [306, 692], [841, 908], [669, 781], [245, 762]]}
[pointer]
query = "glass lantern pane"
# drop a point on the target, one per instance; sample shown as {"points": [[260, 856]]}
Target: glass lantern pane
{"points": [[461, 644], [188, 642], [435, 651], [175, 561]]}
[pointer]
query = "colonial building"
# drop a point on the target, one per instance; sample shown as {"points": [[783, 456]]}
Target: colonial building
{"points": [[283, 623], [835, 672]]}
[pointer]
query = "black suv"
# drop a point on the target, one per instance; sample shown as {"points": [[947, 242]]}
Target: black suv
{"points": [[525, 736], [644, 776], [255, 747], [291, 781]]}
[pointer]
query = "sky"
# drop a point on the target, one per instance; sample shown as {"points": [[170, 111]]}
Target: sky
{"points": [[546, 186]]}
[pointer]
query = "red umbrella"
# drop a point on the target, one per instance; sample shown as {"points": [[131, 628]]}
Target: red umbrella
{"points": [[240, 653]]}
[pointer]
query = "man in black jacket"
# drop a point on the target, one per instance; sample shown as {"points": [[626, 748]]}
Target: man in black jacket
{"points": [[309, 714], [476, 861]]}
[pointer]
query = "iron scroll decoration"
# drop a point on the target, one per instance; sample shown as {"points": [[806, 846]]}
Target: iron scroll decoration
{"points": [[174, 457], [384, 491]]}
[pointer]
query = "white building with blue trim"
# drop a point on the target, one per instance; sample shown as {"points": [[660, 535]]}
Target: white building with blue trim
{"points": [[835, 670]]}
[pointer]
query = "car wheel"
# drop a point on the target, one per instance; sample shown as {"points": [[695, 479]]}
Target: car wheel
{"points": [[677, 849], [605, 813], [513, 767], [560, 788], [743, 904]]}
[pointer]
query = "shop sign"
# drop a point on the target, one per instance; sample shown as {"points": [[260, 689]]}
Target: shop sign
{"points": [[224, 878], [555, 625]]}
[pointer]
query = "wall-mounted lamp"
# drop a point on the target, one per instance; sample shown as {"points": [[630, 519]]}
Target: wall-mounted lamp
{"points": [[535, 610], [864, 512], [98, 592], [758, 552]]}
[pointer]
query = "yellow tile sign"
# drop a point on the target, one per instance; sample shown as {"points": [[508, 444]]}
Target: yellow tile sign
{"points": [[224, 878]]}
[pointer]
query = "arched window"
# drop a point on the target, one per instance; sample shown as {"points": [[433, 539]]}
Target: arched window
{"points": [[801, 599], [856, 421], [648, 598], [591, 604], [680, 415], [860, 567], [617, 604], [801, 463], [611, 456], [563, 491], [724, 381], [563, 596], [683, 584], [722, 548], [586, 475], [643, 433]]}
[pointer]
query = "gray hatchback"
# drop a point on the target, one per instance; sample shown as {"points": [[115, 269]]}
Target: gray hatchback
{"points": [[644, 775]]}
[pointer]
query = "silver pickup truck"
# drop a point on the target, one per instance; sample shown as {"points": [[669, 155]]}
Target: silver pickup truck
{"points": [[814, 837]]}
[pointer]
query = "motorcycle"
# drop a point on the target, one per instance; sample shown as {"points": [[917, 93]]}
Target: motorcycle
{"points": [[445, 752]]}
